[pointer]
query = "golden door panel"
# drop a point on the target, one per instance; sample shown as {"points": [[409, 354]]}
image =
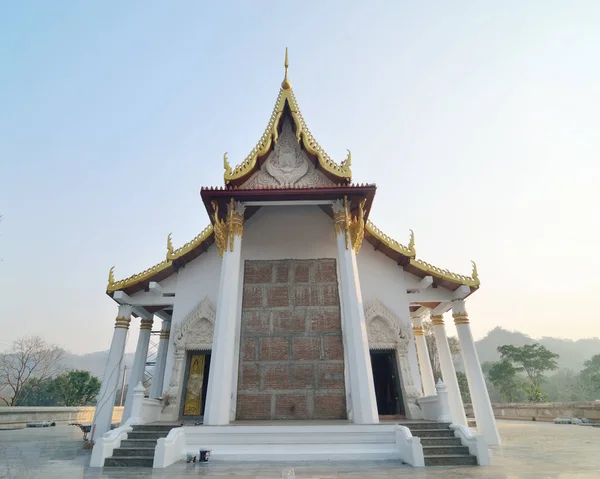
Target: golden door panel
{"points": [[194, 383]]}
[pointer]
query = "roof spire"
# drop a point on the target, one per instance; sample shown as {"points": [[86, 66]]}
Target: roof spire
{"points": [[285, 84]]}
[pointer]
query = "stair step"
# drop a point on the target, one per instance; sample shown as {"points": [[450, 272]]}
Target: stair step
{"points": [[444, 450], [139, 443], [439, 441], [154, 427], [133, 452], [422, 425], [143, 461], [147, 435], [451, 460], [432, 432]]}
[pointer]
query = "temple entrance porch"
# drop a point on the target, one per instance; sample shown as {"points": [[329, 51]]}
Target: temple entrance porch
{"points": [[195, 385], [387, 383]]}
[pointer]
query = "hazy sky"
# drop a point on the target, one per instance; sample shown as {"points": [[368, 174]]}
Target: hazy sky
{"points": [[478, 121]]}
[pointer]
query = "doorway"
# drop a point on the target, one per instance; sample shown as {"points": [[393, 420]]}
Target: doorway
{"points": [[387, 383], [195, 385]]}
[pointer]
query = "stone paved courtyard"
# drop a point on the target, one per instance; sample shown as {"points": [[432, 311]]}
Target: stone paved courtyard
{"points": [[530, 450]]}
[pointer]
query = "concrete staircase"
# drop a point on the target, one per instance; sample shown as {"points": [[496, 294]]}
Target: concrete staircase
{"points": [[138, 449], [252, 443], [440, 447]]}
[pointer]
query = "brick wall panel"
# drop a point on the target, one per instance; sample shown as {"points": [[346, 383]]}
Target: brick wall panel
{"points": [[274, 349], [254, 406], [330, 406], [333, 348], [258, 272], [291, 358], [291, 406], [253, 297], [306, 348], [325, 320], [287, 321], [278, 296], [330, 376]]}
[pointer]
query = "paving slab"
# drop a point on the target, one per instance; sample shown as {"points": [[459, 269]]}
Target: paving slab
{"points": [[530, 450]]}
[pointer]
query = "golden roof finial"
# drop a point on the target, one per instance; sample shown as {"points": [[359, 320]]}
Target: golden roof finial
{"points": [[285, 84], [226, 165], [475, 274], [411, 243], [170, 248], [111, 275]]}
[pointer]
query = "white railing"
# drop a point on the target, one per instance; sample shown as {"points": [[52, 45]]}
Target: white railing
{"points": [[475, 442], [170, 449], [107, 443], [436, 407], [151, 409], [409, 447]]}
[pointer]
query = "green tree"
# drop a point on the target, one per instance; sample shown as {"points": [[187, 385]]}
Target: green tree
{"points": [[27, 359], [503, 375], [76, 388], [463, 385], [38, 393], [532, 359], [590, 374]]}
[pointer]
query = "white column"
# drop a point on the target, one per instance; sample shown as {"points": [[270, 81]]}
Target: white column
{"points": [[423, 354], [156, 388], [139, 364], [220, 377], [362, 390], [482, 406], [448, 372], [110, 380]]}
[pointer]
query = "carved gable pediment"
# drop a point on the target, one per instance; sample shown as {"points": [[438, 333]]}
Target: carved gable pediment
{"points": [[196, 330], [383, 327], [287, 165]]}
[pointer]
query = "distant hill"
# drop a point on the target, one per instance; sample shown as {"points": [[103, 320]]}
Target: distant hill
{"points": [[572, 353], [94, 362]]}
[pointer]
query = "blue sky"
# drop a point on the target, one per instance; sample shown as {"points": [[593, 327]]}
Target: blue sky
{"points": [[477, 120]]}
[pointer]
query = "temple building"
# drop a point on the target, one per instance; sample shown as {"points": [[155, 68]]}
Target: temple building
{"points": [[291, 305]]}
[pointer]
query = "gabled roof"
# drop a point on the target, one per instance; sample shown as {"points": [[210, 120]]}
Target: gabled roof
{"points": [[340, 174], [286, 104]]}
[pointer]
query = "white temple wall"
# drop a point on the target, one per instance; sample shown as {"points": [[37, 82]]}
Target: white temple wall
{"points": [[289, 232], [197, 280], [381, 278]]}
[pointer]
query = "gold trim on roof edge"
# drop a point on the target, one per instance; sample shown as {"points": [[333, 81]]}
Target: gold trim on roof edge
{"points": [[411, 252], [392, 243], [172, 254], [472, 280], [190, 245], [136, 278], [303, 134]]}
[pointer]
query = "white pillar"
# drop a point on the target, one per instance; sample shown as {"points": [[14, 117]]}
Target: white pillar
{"points": [[139, 364], [362, 390], [156, 388], [448, 372], [110, 380], [220, 377], [482, 406], [423, 354]]}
